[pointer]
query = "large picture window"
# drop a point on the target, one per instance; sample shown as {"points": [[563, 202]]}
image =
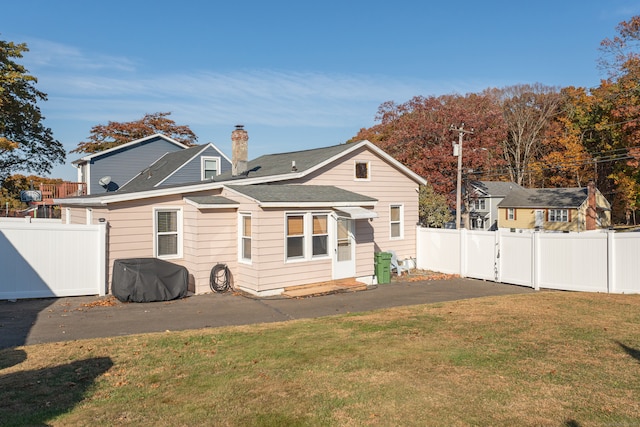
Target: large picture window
{"points": [[168, 225]]}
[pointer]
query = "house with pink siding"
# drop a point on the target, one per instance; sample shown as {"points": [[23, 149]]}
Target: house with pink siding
{"points": [[278, 221]]}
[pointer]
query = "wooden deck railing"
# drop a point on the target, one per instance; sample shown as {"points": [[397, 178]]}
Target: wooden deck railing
{"points": [[62, 190]]}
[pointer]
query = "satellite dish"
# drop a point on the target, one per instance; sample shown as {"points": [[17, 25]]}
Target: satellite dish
{"points": [[104, 181]]}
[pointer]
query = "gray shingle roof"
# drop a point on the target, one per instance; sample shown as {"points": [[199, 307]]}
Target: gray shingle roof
{"points": [[280, 164], [160, 169], [545, 198], [495, 188], [211, 200], [266, 193]]}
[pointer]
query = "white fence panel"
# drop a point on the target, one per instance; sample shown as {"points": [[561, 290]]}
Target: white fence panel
{"points": [[40, 260], [625, 262], [573, 262], [479, 254], [515, 258], [438, 250], [590, 262]]}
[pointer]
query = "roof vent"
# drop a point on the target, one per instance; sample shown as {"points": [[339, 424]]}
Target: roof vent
{"points": [[293, 166]]}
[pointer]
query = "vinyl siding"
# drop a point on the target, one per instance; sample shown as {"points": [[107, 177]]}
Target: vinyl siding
{"points": [[123, 165], [390, 187], [192, 170], [210, 236]]}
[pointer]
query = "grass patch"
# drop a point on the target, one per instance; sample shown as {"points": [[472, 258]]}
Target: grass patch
{"points": [[549, 358]]}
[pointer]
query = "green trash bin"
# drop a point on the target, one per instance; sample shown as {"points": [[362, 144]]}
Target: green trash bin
{"points": [[382, 266]]}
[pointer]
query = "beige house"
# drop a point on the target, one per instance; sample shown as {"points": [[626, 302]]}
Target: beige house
{"points": [[278, 221], [554, 209]]}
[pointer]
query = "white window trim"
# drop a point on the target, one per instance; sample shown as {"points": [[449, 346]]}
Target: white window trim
{"points": [[401, 206], [511, 214], [307, 236], [241, 216], [179, 231], [558, 213], [202, 163], [368, 163]]}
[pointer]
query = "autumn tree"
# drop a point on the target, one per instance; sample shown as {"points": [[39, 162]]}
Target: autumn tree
{"points": [[433, 208], [527, 111], [563, 159], [25, 143], [417, 133], [113, 134], [608, 120]]}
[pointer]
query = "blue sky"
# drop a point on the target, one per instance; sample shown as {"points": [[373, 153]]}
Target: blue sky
{"points": [[297, 74]]}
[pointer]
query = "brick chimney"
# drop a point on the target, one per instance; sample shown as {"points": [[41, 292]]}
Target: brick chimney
{"points": [[239, 150], [592, 214]]}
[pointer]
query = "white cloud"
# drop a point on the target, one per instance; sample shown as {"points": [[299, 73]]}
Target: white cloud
{"points": [[85, 84]]}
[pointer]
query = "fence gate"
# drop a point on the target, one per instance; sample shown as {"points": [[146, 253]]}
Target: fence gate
{"points": [[50, 259]]}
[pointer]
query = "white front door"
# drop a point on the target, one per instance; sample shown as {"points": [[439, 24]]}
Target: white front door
{"points": [[539, 218], [344, 259]]}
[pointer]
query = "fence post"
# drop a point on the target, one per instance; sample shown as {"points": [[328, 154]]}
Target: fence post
{"points": [[462, 235], [102, 257], [497, 248], [535, 266], [611, 258]]}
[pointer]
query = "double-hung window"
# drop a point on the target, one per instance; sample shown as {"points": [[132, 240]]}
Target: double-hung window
{"points": [[479, 204], [210, 167], [295, 236], [320, 235], [511, 213], [245, 237], [558, 215], [396, 221], [168, 232]]}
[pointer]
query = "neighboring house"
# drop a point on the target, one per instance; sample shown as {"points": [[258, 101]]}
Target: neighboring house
{"points": [[199, 163], [555, 209], [120, 164], [483, 200], [278, 221]]}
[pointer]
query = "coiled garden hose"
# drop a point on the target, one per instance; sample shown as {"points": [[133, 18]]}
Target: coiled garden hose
{"points": [[219, 280]]}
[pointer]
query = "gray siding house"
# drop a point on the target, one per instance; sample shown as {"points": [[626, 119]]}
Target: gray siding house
{"points": [[483, 200], [150, 162]]}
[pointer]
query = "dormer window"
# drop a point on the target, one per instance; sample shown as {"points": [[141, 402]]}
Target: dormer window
{"points": [[210, 167], [362, 170]]}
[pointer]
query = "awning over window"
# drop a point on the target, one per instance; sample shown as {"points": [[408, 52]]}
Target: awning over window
{"points": [[355, 212]]}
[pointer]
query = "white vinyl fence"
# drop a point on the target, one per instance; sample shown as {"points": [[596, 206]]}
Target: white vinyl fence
{"points": [[591, 261], [42, 259]]}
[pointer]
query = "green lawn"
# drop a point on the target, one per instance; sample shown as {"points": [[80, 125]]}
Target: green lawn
{"points": [[548, 358]]}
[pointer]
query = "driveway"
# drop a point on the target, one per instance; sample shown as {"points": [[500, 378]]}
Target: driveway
{"points": [[27, 322]]}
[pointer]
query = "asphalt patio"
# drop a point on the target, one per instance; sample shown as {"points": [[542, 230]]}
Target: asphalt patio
{"points": [[35, 321]]}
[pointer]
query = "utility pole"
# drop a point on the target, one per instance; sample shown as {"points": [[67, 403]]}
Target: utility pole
{"points": [[457, 151]]}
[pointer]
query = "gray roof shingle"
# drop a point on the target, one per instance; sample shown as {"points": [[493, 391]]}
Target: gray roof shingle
{"points": [[280, 164], [282, 193], [495, 188], [160, 169], [545, 198]]}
